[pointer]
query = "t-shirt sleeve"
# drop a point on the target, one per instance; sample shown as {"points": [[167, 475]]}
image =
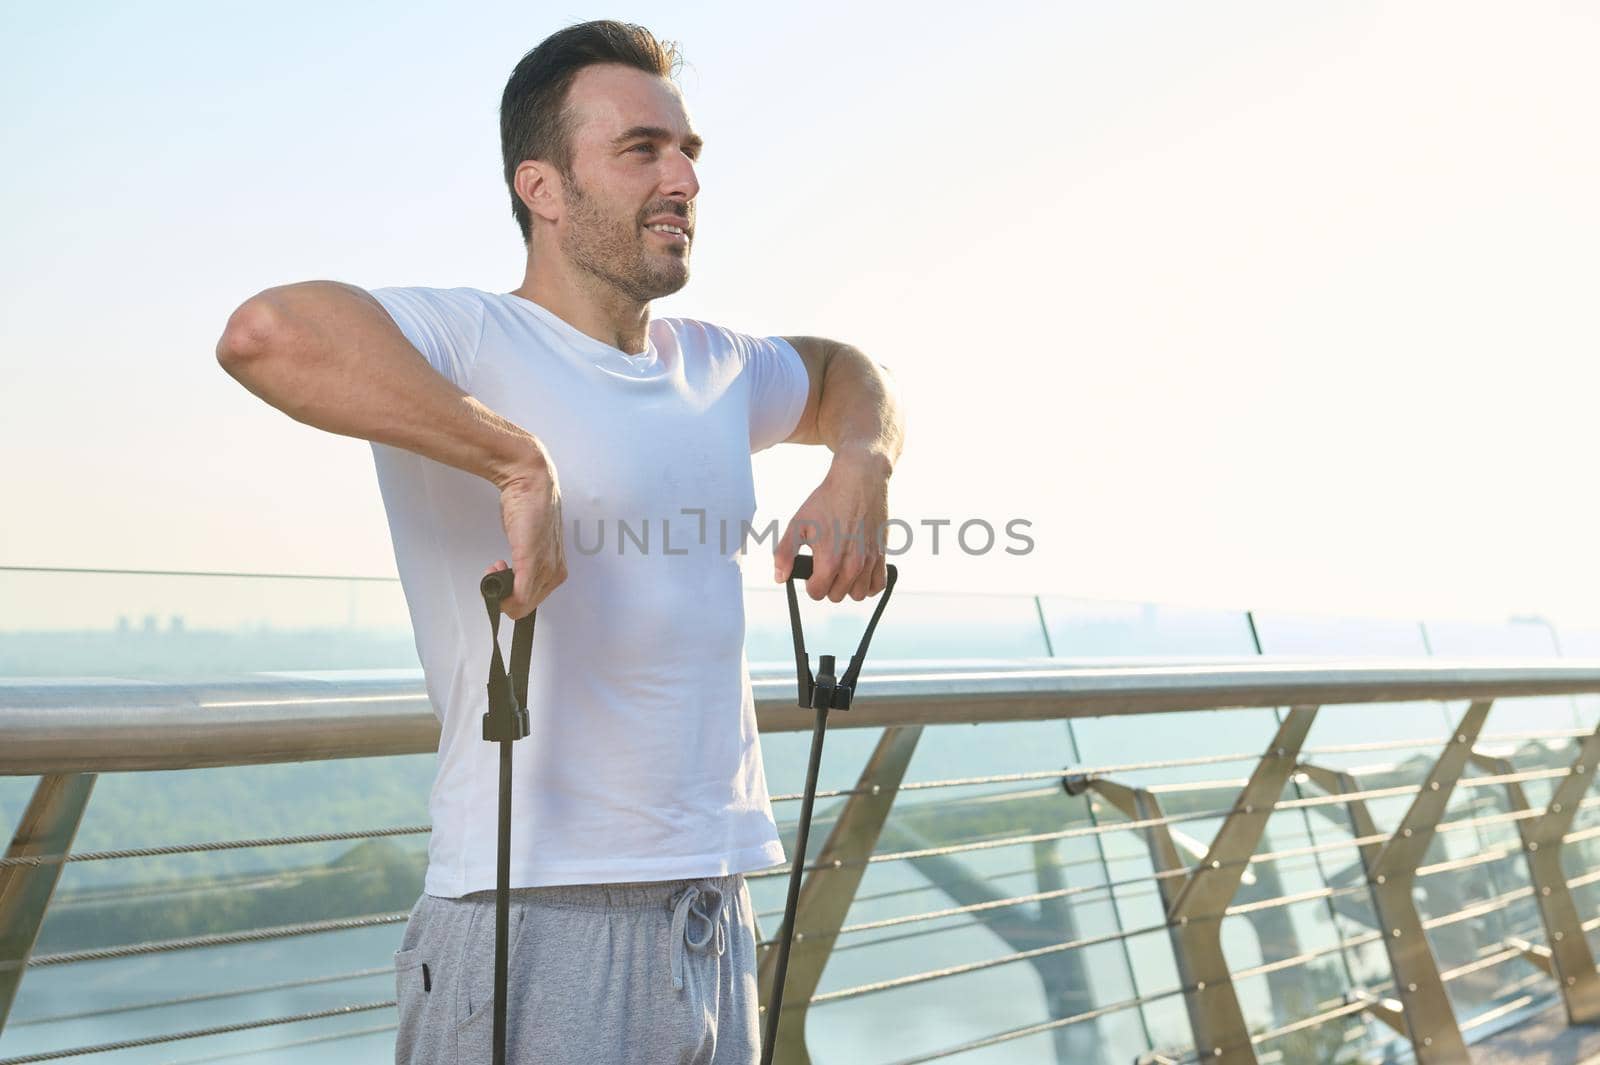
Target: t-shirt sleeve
{"points": [[444, 324], [778, 386]]}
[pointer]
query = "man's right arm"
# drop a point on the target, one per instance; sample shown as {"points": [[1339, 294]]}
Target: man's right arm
{"points": [[329, 355]]}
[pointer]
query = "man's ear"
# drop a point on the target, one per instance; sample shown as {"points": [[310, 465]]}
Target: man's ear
{"points": [[538, 185]]}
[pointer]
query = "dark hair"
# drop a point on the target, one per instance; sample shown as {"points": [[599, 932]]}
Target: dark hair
{"points": [[534, 123]]}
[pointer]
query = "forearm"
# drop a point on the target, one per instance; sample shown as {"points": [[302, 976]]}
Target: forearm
{"points": [[858, 414], [328, 355]]}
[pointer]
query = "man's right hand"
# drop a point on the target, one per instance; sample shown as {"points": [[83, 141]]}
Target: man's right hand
{"points": [[530, 510]]}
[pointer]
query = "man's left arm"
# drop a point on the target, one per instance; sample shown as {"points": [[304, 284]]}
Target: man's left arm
{"points": [[851, 407]]}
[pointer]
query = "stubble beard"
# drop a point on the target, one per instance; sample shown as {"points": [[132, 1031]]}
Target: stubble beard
{"points": [[613, 251]]}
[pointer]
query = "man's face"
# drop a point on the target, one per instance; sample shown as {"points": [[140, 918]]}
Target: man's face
{"points": [[633, 163]]}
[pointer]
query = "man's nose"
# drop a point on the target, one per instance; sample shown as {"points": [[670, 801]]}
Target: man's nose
{"points": [[680, 181]]}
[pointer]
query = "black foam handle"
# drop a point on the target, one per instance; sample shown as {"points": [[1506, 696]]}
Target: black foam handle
{"points": [[497, 585], [802, 568]]}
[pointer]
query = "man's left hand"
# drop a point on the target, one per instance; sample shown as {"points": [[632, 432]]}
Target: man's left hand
{"points": [[844, 522]]}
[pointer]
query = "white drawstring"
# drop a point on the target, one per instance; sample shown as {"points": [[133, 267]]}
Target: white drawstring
{"points": [[684, 907]]}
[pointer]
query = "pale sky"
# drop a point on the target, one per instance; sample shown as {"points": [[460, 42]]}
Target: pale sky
{"points": [[1278, 305]]}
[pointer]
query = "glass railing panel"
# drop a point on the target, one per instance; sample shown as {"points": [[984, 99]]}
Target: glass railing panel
{"points": [[1312, 636], [1304, 991], [1512, 639], [67, 623], [1527, 638], [906, 1022], [1301, 938], [1578, 642], [1089, 629]]}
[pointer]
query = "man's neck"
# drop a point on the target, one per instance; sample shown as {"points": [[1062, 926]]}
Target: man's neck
{"points": [[588, 305]]}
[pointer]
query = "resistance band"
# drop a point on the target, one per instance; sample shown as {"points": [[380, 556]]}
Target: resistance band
{"points": [[505, 722], [821, 693]]}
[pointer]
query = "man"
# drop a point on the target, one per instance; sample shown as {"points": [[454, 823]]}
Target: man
{"points": [[641, 797]]}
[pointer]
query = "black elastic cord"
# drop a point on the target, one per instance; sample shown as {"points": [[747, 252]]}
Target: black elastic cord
{"points": [[786, 933], [505, 721], [802, 661], [507, 716], [838, 693], [850, 674], [521, 653]]}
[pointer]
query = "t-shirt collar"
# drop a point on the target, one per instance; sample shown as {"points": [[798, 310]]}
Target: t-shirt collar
{"points": [[639, 365]]}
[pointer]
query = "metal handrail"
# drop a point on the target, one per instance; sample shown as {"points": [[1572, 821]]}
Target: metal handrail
{"points": [[117, 725]]}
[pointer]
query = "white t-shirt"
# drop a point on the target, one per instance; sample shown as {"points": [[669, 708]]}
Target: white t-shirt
{"points": [[643, 762]]}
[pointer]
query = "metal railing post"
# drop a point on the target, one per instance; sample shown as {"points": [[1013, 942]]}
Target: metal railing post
{"points": [[1565, 955], [47, 827], [1423, 1006]]}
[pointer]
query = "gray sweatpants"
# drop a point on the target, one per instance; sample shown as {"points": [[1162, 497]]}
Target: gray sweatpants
{"points": [[659, 973]]}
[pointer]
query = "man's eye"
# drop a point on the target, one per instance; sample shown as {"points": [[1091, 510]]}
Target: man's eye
{"points": [[643, 147]]}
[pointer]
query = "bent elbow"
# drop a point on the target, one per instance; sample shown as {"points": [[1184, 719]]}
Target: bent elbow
{"points": [[249, 334]]}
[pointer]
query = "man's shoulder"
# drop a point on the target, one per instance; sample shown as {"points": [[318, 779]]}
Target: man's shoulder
{"points": [[460, 295], [462, 308], [679, 324], [708, 336]]}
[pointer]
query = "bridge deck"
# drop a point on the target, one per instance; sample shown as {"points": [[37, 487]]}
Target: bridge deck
{"points": [[1546, 1039]]}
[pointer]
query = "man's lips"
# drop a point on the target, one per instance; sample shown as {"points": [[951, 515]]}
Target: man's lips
{"points": [[670, 238], [685, 231]]}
